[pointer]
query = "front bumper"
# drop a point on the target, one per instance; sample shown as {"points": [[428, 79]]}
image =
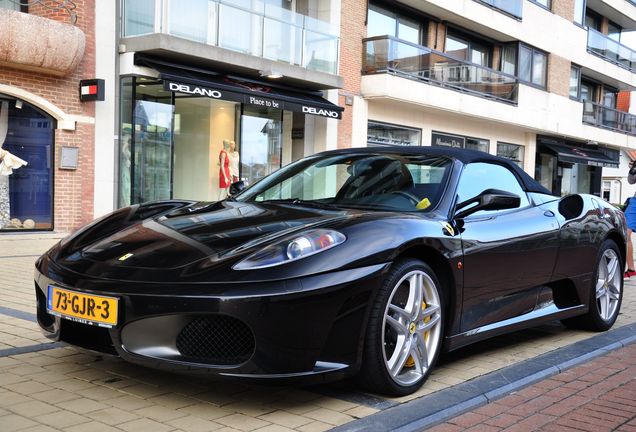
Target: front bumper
{"points": [[311, 326]]}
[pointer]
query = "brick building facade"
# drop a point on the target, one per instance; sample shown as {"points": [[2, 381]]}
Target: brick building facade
{"points": [[42, 65]]}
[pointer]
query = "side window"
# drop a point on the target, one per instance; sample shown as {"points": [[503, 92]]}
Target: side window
{"points": [[479, 176]]}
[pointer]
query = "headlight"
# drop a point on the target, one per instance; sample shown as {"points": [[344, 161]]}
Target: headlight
{"points": [[309, 243]]}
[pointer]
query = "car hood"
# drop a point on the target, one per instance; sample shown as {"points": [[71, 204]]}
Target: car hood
{"points": [[210, 232]]}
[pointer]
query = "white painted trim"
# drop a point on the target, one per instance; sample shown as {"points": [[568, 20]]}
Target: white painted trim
{"points": [[64, 121]]}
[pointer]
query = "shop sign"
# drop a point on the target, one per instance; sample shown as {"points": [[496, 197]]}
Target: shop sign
{"points": [[190, 89], [447, 140], [250, 98]]}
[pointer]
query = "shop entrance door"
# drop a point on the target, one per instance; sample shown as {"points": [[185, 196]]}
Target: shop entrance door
{"points": [[261, 142]]}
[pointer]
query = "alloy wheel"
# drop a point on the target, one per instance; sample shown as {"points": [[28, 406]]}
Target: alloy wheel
{"points": [[608, 284], [411, 328]]}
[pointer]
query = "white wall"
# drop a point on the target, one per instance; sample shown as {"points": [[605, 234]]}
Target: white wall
{"points": [[106, 134]]}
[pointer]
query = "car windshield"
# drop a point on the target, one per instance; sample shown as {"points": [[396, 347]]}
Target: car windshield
{"points": [[371, 181]]}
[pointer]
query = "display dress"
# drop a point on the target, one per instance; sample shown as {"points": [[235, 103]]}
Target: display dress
{"points": [[234, 166], [225, 168]]}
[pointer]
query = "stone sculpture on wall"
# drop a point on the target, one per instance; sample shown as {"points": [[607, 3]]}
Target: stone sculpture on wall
{"points": [[8, 163]]}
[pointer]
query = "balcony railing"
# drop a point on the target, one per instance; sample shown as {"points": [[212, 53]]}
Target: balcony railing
{"points": [[608, 118], [386, 54], [610, 50], [250, 27], [510, 7]]}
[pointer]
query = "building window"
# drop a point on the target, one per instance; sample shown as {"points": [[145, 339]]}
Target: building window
{"points": [[545, 3], [575, 81], [533, 65], [509, 58], [513, 152], [441, 139], [587, 91], [463, 47], [384, 134], [384, 22], [579, 11], [593, 20]]}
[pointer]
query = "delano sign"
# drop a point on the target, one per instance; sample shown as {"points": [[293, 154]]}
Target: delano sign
{"points": [[201, 91], [272, 100]]}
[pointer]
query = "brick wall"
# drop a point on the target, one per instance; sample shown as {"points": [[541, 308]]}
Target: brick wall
{"points": [[559, 75], [564, 8], [73, 200], [352, 30]]}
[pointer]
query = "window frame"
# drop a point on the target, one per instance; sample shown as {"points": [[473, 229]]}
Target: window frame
{"points": [[547, 7], [471, 40], [397, 126], [533, 51], [517, 162], [578, 81], [398, 12]]}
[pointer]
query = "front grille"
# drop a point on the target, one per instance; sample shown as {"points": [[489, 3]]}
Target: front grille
{"points": [[216, 339]]}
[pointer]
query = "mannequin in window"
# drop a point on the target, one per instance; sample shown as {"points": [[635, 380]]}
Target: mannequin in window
{"points": [[224, 170], [233, 154]]}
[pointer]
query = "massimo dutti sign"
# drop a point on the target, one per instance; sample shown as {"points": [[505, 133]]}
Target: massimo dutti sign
{"points": [[255, 94]]}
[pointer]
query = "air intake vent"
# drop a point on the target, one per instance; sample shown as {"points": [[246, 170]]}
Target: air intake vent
{"points": [[217, 339]]}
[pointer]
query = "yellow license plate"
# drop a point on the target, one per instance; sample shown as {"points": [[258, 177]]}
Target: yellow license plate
{"points": [[86, 308]]}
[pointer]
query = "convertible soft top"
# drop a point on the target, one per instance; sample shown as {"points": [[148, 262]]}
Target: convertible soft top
{"points": [[465, 156]]}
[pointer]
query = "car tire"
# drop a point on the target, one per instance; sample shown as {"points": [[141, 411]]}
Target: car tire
{"points": [[405, 330], [606, 291]]}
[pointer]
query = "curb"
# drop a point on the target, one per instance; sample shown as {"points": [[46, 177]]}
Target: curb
{"points": [[443, 405]]}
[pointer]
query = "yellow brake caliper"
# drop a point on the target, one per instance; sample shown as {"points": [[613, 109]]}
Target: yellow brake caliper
{"points": [[410, 362]]}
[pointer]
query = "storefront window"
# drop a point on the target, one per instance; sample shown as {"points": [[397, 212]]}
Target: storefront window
{"points": [[545, 170], [513, 152], [384, 134], [204, 138], [186, 146], [26, 166], [441, 139], [261, 142]]}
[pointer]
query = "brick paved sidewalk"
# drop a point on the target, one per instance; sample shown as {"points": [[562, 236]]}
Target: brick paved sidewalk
{"points": [[599, 395]]}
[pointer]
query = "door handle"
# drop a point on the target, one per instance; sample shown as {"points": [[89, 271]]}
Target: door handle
{"points": [[548, 213]]}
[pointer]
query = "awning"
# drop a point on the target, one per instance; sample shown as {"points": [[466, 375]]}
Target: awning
{"points": [[573, 154], [198, 82]]}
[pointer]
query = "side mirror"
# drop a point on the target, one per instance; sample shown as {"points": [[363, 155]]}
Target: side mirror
{"points": [[237, 187], [490, 199]]}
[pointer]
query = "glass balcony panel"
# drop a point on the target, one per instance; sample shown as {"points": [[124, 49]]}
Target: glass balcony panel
{"points": [[513, 7], [609, 118], [321, 52], [320, 26], [139, 17], [256, 27], [256, 6], [282, 42], [389, 55], [193, 19], [273, 10], [249, 39], [610, 49]]}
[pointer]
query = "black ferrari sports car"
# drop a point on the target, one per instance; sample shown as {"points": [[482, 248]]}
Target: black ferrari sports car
{"points": [[360, 261]]}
